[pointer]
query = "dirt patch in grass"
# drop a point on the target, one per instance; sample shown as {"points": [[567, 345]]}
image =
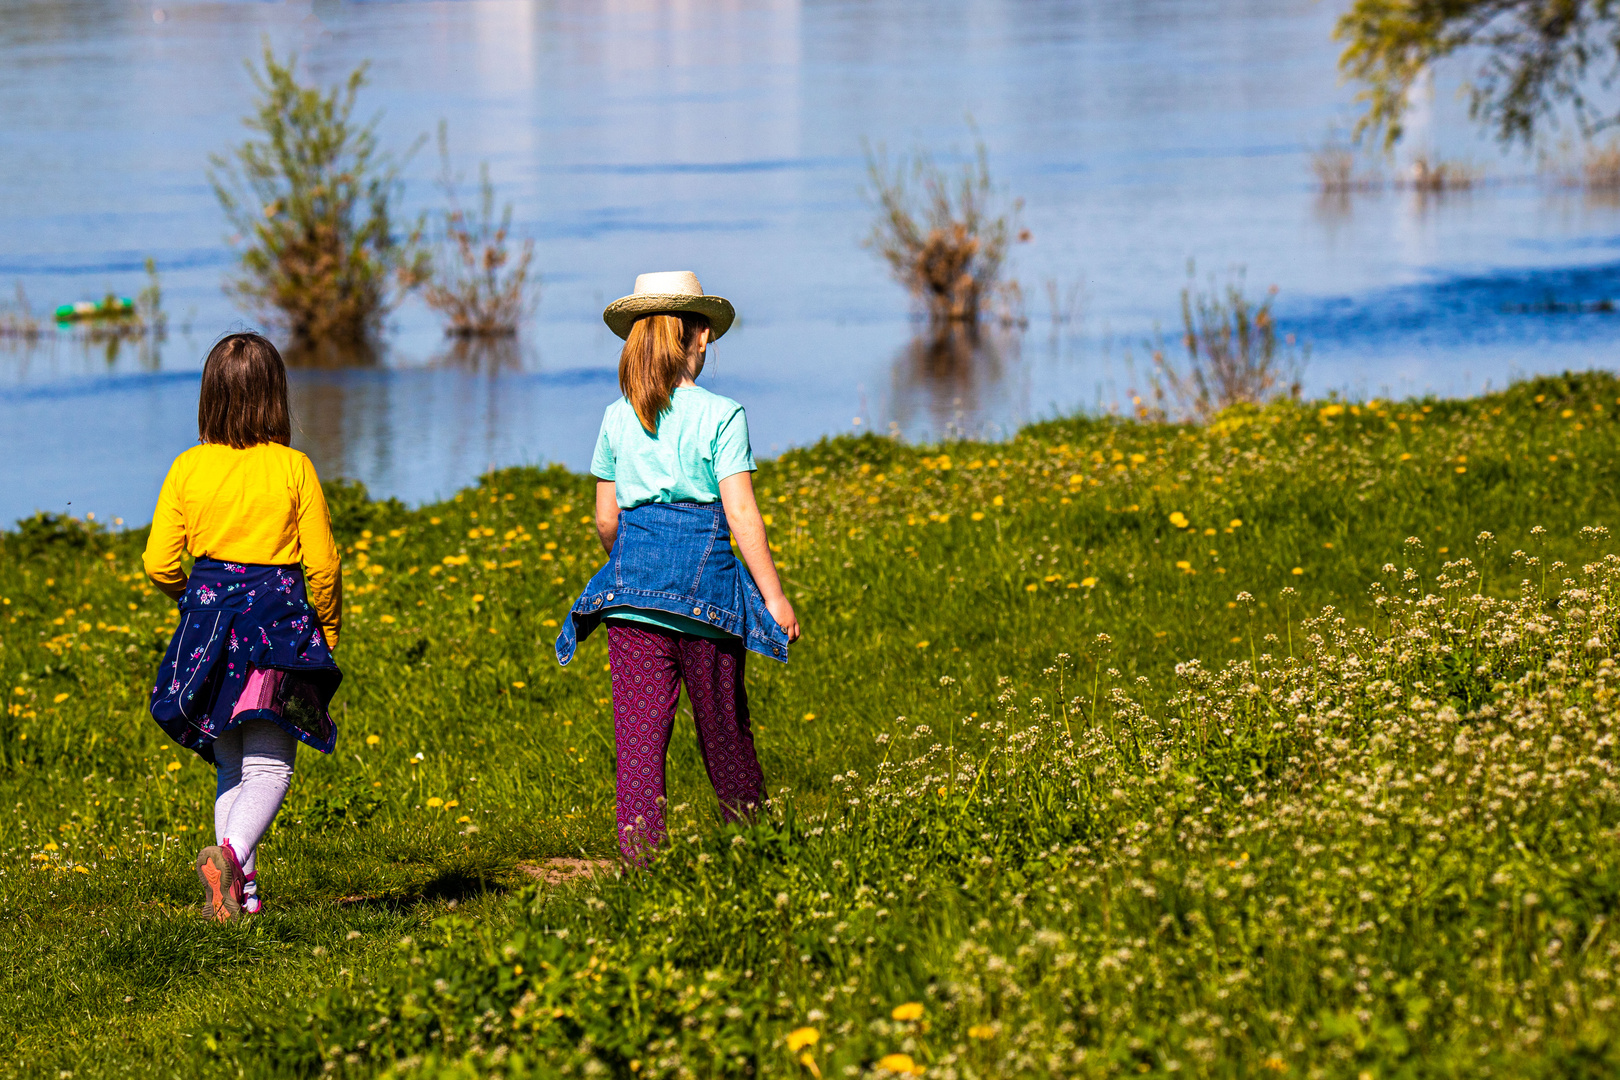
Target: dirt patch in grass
{"points": [[561, 871]]}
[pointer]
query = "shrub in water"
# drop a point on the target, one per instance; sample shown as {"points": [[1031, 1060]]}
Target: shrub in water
{"points": [[947, 245], [311, 198], [480, 287]]}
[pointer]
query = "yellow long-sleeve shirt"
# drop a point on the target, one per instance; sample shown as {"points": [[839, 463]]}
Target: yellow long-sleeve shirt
{"points": [[259, 505]]}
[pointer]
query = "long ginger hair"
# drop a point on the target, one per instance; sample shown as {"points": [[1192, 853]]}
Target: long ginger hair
{"points": [[654, 360]]}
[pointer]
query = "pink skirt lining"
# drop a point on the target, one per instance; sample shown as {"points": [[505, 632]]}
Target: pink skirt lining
{"points": [[262, 690]]}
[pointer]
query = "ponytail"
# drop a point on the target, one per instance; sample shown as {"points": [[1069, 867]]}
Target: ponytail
{"points": [[654, 360]]}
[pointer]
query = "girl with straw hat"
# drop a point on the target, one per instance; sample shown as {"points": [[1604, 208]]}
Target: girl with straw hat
{"points": [[674, 471]]}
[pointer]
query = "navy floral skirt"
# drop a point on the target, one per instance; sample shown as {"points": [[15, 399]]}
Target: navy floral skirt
{"points": [[248, 647]]}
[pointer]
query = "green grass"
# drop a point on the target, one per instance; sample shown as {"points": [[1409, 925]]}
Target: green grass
{"points": [[1071, 756]]}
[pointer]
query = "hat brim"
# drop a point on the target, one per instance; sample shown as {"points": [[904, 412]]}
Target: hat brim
{"points": [[622, 314]]}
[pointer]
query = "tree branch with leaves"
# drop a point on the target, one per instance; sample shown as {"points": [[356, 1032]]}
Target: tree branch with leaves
{"points": [[1535, 58]]}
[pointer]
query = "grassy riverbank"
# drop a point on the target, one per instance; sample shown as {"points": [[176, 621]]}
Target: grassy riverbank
{"points": [[1074, 776]]}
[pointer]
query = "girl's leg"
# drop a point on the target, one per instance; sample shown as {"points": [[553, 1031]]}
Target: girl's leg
{"points": [[220, 875], [646, 688], [267, 766], [713, 673], [228, 779]]}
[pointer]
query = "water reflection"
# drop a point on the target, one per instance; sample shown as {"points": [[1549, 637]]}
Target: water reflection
{"points": [[947, 378], [51, 352], [487, 355], [353, 353]]}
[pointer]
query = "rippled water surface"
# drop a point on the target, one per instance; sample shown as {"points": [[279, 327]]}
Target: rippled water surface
{"points": [[727, 138]]}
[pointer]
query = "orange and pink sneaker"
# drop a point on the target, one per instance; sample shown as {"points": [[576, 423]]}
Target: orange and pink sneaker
{"points": [[221, 876]]}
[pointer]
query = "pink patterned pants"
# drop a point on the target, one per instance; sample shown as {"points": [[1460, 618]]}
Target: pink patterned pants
{"points": [[649, 666]]}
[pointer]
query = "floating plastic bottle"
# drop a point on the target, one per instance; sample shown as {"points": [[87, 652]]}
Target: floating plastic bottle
{"points": [[111, 307]]}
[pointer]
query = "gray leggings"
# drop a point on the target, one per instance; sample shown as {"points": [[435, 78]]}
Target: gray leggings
{"points": [[255, 761]]}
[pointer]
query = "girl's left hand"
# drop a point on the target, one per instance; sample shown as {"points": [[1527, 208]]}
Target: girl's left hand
{"points": [[782, 611]]}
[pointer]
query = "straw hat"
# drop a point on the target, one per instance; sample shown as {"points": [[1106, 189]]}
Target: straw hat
{"points": [[664, 294]]}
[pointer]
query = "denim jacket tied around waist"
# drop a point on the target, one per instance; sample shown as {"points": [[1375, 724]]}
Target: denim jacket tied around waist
{"points": [[676, 558]]}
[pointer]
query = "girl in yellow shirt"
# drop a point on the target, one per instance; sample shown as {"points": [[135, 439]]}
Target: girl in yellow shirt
{"points": [[249, 673]]}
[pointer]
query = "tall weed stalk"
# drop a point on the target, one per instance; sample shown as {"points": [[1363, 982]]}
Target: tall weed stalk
{"points": [[1233, 355]]}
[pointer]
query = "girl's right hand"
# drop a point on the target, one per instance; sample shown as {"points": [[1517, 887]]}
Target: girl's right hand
{"points": [[782, 611]]}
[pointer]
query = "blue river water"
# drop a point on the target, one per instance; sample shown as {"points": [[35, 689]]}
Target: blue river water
{"points": [[729, 138]]}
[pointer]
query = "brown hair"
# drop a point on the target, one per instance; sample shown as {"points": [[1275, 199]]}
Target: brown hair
{"points": [[654, 360], [244, 394]]}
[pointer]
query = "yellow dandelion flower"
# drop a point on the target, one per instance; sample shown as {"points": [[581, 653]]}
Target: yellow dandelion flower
{"points": [[809, 716], [998, 501], [519, 685], [478, 598], [433, 521], [1297, 571], [1462, 468], [386, 619], [373, 740], [1032, 587], [799, 1038], [922, 644], [911, 1010], [1178, 519], [435, 802], [548, 622], [899, 1063], [1088, 582], [59, 698], [173, 766], [1235, 523], [981, 1031], [463, 819], [1183, 564], [51, 846], [977, 515]]}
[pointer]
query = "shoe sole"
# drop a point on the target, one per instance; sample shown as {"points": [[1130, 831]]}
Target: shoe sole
{"points": [[215, 870]]}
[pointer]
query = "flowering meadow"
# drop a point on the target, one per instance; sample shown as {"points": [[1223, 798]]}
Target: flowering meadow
{"points": [[1283, 745]]}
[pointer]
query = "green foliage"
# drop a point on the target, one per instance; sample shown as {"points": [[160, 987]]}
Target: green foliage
{"points": [[352, 508], [311, 199], [1071, 760], [46, 532], [1536, 56]]}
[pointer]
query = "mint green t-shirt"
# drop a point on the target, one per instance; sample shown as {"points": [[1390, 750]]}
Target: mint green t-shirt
{"points": [[702, 439]]}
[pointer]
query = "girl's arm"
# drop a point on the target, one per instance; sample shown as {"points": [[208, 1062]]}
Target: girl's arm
{"points": [[323, 567], [167, 541], [742, 514], [607, 514]]}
